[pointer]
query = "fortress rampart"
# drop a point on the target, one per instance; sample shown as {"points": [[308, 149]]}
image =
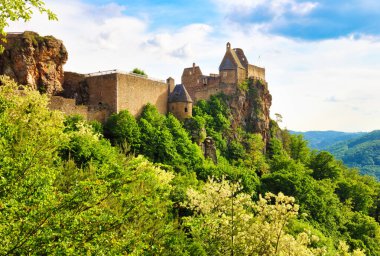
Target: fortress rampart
{"points": [[97, 95]]}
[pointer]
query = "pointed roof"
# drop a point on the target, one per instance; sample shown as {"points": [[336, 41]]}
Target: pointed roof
{"points": [[230, 59], [179, 94], [242, 58]]}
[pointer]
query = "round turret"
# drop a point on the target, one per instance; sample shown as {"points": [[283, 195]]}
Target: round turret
{"points": [[180, 103]]}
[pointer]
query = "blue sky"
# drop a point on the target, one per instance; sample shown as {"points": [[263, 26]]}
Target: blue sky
{"points": [[309, 20], [322, 58]]}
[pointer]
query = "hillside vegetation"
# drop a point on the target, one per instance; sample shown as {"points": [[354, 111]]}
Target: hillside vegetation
{"points": [[359, 150], [322, 140], [362, 152], [143, 187]]}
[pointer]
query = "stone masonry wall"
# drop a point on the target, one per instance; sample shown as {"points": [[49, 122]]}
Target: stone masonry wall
{"points": [[134, 92], [256, 72], [228, 76], [242, 75], [102, 90], [206, 92], [67, 106], [192, 80]]}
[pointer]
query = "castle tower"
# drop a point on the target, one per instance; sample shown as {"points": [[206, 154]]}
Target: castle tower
{"points": [[180, 103], [231, 70], [192, 79], [170, 83]]}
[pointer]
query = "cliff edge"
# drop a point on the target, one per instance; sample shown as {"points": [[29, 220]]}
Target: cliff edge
{"points": [[250, 107], [34, 60]]}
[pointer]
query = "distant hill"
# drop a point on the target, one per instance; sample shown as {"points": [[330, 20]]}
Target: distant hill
{"points": [[321, 140], [360, 150]]}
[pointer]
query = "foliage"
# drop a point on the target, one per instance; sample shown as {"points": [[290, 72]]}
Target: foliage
{"points": [[122, 129], [65, 189], [226, 222], [166, 141], [13, 10], [359, 150], [139, 72]]}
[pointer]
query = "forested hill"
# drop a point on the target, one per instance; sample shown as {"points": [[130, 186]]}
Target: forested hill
{"points": [[360, 150], [142, 186], [321, 140]]}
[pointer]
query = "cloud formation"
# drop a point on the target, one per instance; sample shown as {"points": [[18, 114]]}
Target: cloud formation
{"points": [[304, 76], [302, 19]]}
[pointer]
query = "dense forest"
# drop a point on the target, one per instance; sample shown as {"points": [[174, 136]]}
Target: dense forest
{"points": [[322, 140], [142, 186], [359, 150]]}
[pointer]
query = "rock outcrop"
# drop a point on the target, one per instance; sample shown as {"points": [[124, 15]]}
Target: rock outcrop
{"points": [[34, 60], [209, 149], [250, 108]]}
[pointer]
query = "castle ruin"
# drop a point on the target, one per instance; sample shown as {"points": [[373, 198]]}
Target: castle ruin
{"points": [[38, 61], [98, 95], [233, 70]]}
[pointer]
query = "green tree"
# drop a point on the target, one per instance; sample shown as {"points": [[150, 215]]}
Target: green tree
{"points": [[70, 192], [226, 222], [157, 139], [298, 148], [139, 72], [30, 135], [191, 154], [324, 166], [122, 129]]}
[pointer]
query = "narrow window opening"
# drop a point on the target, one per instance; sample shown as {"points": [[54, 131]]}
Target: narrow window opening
{"points": [[185, 110]]}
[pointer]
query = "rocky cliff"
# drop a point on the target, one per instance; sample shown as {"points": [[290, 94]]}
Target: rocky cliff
{"points": [[250, 107], [34, 60]]}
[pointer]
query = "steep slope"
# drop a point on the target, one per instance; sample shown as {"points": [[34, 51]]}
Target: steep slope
{"points": [[250, 107]]}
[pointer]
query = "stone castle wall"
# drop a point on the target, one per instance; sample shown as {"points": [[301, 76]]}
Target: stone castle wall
{"points": [[134, 92], [256, 72], [110, 92], [192, 79], [206, 92], [69, 107], [242, 75], [228, 76], [102, 91]]}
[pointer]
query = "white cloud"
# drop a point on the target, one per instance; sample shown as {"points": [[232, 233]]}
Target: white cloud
{"points": [[276, 7], [102, 38], [301, 74]]}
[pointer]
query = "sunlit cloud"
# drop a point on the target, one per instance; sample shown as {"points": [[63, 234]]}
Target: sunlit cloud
{"points": [[316, 84]]}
